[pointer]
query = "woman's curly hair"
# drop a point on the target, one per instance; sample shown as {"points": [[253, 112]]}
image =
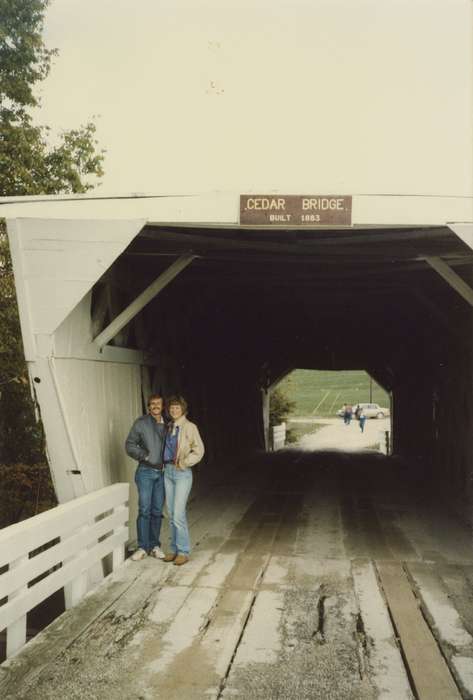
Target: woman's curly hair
{"points": [[176, 399]]}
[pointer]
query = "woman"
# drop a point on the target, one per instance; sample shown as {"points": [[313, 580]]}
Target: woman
{"points": [[182, 449]]}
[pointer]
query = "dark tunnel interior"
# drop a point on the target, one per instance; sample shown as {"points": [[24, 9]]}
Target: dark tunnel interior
{"points": [[254, 304]]}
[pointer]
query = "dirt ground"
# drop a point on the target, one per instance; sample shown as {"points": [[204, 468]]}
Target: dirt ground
{"points": [[332, 433], [313, 575]]}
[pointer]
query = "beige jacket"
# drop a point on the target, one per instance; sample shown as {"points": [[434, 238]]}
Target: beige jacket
{"points": [[190, 448]]}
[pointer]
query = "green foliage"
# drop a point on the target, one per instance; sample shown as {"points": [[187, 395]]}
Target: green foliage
{"points": [[24, 59], [29, 165], [25, 490], [280, 406]]}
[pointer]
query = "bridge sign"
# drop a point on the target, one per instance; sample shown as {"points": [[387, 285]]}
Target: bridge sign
{"points": [[295, 210]]}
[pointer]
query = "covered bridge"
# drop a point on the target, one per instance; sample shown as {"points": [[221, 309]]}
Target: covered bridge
{"points": [[219, 296]]}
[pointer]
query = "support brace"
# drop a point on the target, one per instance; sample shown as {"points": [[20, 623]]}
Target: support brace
{"points": [[142, 300], [453, 279]]}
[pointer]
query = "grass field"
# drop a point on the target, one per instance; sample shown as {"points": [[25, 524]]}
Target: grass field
{"points": [[317, 393]]}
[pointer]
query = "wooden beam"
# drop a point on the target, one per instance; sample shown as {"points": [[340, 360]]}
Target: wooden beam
{"points": [[323, 236], [428, 669], [143, 299], [391, 259], [405, 244], [453, 279]]}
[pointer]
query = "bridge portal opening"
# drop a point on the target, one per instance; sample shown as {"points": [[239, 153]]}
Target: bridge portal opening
{"points": [[254, 304], [334, 410]]}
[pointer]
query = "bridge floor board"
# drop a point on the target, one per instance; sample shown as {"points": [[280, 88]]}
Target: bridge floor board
{"points": [[282, 598]]}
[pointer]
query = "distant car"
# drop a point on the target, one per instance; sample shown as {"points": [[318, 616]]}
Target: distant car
{"points": [[371, 410]]}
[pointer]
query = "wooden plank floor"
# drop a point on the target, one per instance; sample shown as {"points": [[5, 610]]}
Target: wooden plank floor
{"points": [[300, 563], [429, 671]]}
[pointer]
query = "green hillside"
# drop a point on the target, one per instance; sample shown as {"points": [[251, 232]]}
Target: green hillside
{"points": [[317, 393]]}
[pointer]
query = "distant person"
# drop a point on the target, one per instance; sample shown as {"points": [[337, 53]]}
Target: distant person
{"points": [[362, 420], [183, 449], [357, 411], [347, 416], [145, 443]]}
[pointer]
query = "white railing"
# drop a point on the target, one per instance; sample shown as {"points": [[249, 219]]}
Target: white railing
{"points": [[278, 434], [56, 549], [384, 442]]}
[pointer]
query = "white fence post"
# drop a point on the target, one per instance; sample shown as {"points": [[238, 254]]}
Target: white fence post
{"points": [[278, 433], [76, 589], [118, 556], [384, 439], [16, 632]]}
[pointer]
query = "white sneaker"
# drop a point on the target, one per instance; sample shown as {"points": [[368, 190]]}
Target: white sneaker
{"points": [[157, 552], [138, 555]]}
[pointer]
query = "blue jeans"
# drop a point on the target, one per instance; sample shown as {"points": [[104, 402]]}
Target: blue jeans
{"points": [[178, 484], [150, 484]]}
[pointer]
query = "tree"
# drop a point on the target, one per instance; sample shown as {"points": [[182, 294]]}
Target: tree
{"points": [[24, 59], [29, 165], [280, 406]]}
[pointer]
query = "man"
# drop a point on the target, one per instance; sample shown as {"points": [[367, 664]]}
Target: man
{"points": [[145, 443]]}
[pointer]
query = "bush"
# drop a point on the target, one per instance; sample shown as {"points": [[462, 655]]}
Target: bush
{"points": [[280, 406]]}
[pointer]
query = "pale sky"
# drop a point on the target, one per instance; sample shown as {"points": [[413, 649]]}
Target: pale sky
{"points": [[309, 96]]}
